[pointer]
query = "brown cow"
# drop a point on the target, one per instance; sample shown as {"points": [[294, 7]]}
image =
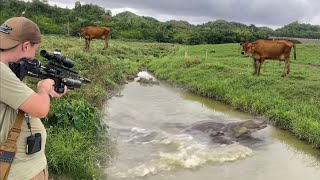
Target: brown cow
{"points": [[269, 49], [95, 32], [245, 47]]}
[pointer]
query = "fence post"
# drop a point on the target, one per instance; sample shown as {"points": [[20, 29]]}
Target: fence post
{"points": [[206, 54]]}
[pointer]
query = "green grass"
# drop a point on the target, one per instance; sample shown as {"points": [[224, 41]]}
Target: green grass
{"points": [[291, 103]]}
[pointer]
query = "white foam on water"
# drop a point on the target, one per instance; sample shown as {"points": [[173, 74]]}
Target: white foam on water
{"points": [[184, 152], [199, 155]]}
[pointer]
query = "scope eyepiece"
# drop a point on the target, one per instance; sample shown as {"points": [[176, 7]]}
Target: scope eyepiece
{"points": [[58, 58]]}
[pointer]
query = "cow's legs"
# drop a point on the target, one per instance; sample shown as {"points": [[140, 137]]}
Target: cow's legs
{"points": [[106, 40], [286, 68], [89, 41], [259, 66], [105, 43], [86, 43], [254, 66]]}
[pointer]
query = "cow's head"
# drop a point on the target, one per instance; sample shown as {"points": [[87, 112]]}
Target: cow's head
{"points": [[80, 31], [246, 47]]}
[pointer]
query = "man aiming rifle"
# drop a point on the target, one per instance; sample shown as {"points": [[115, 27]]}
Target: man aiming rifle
{"points": [[22, 134], [58, 69]]}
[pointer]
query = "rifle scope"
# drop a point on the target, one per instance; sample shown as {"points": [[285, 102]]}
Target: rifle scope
{"points": [[57, 58]]}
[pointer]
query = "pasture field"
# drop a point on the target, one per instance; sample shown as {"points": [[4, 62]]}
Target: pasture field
{"points": [[78, 144], [291, 103]]}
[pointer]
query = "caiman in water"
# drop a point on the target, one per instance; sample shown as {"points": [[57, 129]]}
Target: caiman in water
{"points": [[227, 133]]}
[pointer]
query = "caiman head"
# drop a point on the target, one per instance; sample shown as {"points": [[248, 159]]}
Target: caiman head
{"points": [[247, 127]]}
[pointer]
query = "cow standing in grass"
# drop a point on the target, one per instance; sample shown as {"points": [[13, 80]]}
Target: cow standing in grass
{"points": [[269, 49], [95, 32]]}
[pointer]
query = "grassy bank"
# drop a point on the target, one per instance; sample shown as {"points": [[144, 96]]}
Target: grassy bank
{"points": [[219, 72], [78, 144]]}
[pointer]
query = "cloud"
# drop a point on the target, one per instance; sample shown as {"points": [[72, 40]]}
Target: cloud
{"points": [[269, 13]]}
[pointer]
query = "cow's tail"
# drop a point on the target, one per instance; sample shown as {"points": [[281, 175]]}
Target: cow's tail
{"points": [[294, 52]]}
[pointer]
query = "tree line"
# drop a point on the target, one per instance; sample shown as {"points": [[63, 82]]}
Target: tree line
{"points": [[129, 26]]}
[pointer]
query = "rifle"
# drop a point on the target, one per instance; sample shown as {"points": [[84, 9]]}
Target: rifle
{"points": [[57, 68]]}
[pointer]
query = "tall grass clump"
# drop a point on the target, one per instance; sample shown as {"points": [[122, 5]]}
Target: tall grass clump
{"points": [[75, 128]]}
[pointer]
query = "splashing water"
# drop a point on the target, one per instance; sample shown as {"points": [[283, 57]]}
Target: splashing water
{"points": [[184, 152]]}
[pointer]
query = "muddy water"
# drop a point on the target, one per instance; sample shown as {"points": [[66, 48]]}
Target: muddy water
{"points": [[147, 122]]}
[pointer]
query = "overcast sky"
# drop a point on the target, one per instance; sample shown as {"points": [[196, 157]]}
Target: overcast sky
{"points": [[270, 13]]}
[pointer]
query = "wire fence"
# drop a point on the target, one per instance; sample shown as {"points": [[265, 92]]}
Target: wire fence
{"points": [[302, 40]]}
